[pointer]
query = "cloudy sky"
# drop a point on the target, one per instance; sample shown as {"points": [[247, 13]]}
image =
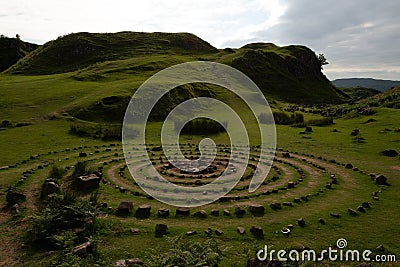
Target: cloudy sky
{"points": [[360, 38]]}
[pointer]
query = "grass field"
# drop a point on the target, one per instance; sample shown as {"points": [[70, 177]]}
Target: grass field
{"points": [[42, 106]]}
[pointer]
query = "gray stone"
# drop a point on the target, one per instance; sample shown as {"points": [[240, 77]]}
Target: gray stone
{"points": [[89, 181], [366, 205], [241, 230], [360, 209], [163, 212], [208, 231], [219, 232], [83, 250], [161, 229], [239, 212], [321, 221], [257, 209], [134, 231], [182, 211], [390, 153], [352, 212], [275, 206], [227, 212], [301, 222], [214, 213], [190, 233], [143, 211], [49, 187], [290, 185], [287, 204], [257, 232], [200, 214], [124, 208], [380, 179]]}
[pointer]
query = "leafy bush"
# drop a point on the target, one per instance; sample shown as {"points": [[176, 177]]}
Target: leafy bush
{"points": [[186, 253], [320, 121], [282, 118], [56, 172], [63, 221], [201, 126], [100, 131]]}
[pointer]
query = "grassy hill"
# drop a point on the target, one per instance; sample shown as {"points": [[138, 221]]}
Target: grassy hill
{"points": [[12, 50], [381, 85], [289, 73], [357, 93]]}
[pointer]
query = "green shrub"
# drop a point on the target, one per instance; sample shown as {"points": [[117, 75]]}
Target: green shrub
{"points": [[56, 172], [186, 253], [320, 122], [55, 224], [282, 118], [201, 126]]}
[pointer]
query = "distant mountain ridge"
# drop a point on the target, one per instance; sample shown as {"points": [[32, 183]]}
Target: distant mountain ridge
{"points": [[381, 85]]}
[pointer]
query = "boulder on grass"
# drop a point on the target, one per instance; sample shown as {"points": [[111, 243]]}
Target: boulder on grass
{"points": [[390, 153], [49, 187], [124, 208], [182, 211], [88, 181], [257, 232], [380, 179], [161, 229], [257, 210], [83, 250], [163, 212], [143, 211]]}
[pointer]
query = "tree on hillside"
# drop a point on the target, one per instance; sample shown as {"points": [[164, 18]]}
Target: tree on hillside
{"points": [[2, 36], [322, 60], [17, 36]]}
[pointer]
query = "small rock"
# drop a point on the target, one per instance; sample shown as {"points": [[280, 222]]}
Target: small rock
{"points": [[361, 209], [301, 222], [390, 153], [257, 232], [182, 211], [241, 230], [348, 166], [227, 212], [275, 206], [239, 212], [321, 221], [190, 233], [83, 250], [257, 209], [200, 214], [124, 208], [366, 205], [143, 211], [161, 229], [214, 213], [163, 212], [308, 129], [208, 231], [219, 232], [380, 248], [352, 212], [380, 179], [134, 231]]}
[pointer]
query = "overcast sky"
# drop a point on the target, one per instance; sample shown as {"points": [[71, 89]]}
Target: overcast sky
{"points": [[360, 38]]}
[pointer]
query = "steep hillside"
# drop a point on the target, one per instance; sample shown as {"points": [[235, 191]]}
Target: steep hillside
{"points": [[79, 50], [12, 50], [290, 73], [381, 85]]}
